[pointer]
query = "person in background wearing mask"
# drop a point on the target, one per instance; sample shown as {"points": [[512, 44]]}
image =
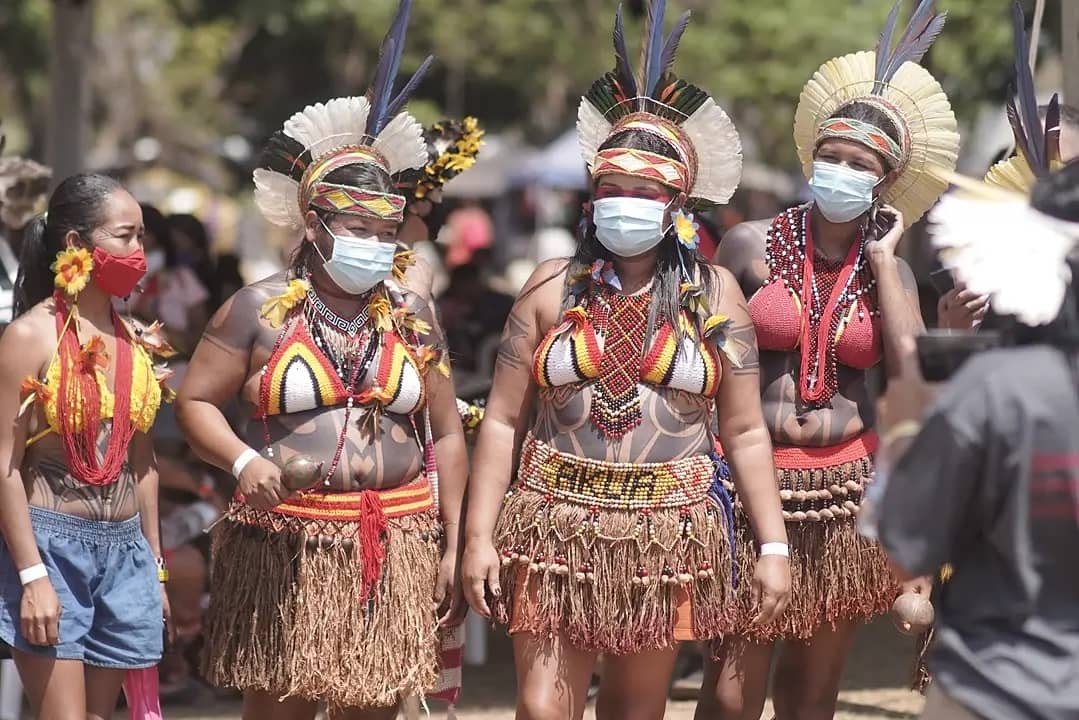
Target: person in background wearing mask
{"points": [[333, 569], [831, 303], [191, 244], [615, 539], [81, 567], [175, 293], [24, 186], [985, 476]]}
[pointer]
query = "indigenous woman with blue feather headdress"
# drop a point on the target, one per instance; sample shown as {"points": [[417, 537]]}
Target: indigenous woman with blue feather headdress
{"points": [[832, 305], [616, 537], [338, 539]]}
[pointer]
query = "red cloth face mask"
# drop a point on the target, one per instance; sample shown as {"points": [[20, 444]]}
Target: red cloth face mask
{"points": [[118, 275]]}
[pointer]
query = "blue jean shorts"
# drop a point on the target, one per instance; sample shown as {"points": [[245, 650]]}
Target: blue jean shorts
{"points": [[106, 578]]}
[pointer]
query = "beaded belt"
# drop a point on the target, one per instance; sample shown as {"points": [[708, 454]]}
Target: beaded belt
{"points": [[609, 485], [367, 511]]}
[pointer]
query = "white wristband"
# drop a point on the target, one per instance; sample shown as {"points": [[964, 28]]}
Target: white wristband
{"points": [[241, 462], [776, 548], [32, 573]]}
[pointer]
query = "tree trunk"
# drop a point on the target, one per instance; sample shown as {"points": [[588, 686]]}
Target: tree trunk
{"points": [[69, 99], [1069, 43]]}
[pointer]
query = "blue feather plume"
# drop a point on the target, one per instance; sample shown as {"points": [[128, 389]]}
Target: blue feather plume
{"points": [[389, 63], [652, 49]]}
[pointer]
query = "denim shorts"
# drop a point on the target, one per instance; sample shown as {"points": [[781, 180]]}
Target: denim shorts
{"points": [[106, 578]]}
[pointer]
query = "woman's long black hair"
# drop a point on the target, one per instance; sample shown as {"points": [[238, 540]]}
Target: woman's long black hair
{"points": [[671, 255], [77, 204]]}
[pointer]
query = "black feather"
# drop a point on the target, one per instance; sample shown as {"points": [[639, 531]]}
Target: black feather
{"points": [[285, 155], [1052, 133], [398, 103], [389, 64], [622, 67], [1022, 140], [670, 48], [653, 47], [1026, 100], [884, 45]]}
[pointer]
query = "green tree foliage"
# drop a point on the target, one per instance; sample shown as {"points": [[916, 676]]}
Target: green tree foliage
{"points": [[192, 71]]}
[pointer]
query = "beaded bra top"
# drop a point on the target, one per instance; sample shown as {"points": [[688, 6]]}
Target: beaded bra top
{"points": [[300, 376], [142, 409], [602, 341], [787, 307]]}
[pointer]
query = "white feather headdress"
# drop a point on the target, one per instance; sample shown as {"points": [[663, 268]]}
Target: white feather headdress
{"points": [[656, 101], [345, 131], [974, 231], [892, 81]]}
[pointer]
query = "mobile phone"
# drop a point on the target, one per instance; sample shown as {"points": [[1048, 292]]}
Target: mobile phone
{"points": [[941, 353], [943, 280], [882, 222]]}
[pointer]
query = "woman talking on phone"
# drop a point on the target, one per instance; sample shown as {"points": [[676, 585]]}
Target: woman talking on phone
{"points": [[831, 304]]}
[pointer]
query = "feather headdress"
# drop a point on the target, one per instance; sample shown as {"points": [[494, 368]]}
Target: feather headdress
{"points": [[1037, 146], [656, 101], [452, 148], [974, 230], [324, 137], [891, 81]]}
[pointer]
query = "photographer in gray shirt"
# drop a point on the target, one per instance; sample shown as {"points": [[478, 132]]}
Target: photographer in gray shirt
{"points": [[988, 480]]}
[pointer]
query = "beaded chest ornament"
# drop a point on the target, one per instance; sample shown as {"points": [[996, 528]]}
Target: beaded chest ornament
{"points": [[789, 251]]}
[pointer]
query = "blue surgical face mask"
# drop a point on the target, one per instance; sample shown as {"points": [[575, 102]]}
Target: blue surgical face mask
{"points": [[841, 194], [357, 264], [628, 226]]}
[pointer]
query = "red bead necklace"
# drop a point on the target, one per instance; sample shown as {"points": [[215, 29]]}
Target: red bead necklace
{"points": [[789, 250]]}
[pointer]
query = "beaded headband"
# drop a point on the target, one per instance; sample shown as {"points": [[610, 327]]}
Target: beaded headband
{"points": [[862, 133], [651, 166], [348, 200], [642, 164]]}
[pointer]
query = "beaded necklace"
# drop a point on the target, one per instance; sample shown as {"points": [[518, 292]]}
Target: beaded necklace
{"points": [[349, 368], [623, 321], [791, 259]]}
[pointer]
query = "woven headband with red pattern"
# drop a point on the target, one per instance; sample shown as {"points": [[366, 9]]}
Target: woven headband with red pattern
{"points": [[642, 164], [349, 200]]}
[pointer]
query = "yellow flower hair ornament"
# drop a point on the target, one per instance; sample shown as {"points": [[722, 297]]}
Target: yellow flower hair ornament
{"points": [[72, 267], [277, 308], [686, 230]]}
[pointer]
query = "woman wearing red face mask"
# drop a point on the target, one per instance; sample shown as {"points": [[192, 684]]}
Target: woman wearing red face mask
{"points": [[81, 599]]}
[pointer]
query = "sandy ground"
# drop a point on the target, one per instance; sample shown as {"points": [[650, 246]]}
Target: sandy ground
{"points": [[874, 685]]}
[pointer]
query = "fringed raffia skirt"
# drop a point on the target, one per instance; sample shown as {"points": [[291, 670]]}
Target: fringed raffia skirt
{"points": [[615, 557], [327, 597], [836, 574]]}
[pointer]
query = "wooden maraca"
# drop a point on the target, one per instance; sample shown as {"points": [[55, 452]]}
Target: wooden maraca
{"points": [[912, 613], [301, 472]]}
